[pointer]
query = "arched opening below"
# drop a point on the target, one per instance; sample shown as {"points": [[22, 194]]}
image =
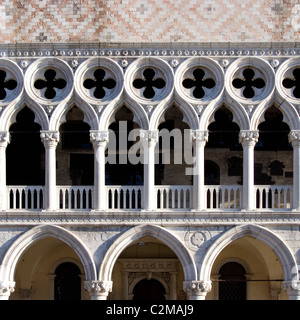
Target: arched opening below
{"points": [[247, 268], [147, 259], [148, 290], [45, 265], [232, 282], [67, 282]]}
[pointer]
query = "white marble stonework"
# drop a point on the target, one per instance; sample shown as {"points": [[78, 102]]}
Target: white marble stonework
{"points": [[189, 238]]}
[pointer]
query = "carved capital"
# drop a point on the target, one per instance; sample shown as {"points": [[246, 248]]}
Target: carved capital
{"points": [[292, 288], [4, 138], [99, 137], [196, 288], [199, 136], [294, 137], [149, 137], [6, 288], [98, 289], [249, 137], [50, 138]]}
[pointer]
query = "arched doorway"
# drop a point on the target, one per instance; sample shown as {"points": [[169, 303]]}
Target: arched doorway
{"points": [[37, 280], [264, 256], [148, 290], [232, 282], [67, 282], [147, 259]]}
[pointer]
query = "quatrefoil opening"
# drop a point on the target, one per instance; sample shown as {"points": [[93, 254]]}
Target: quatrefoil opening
{"points": [[249, 83], [6, 84], [149, 82], [99, 83], [199, 83], [294, 83], [50, 84]]}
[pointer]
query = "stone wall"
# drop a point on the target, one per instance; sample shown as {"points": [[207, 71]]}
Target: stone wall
{"points": [[149, 21]]}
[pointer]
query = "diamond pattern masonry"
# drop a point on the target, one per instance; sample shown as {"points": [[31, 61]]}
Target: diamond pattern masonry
{"points": [[148, 21]]}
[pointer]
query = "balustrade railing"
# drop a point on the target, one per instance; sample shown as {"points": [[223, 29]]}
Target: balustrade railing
{"points": [[124, 197], [25, 197], [174, 197], [223, 197], [75, 197], [274, 197]]}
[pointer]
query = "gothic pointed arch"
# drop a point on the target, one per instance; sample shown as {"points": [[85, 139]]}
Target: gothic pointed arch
{"points": [[109, 111], [59, 113], [272, 240], [136, 233], [24, 241], [9, 114], [289, 112], [189, 114], [240, 115]]}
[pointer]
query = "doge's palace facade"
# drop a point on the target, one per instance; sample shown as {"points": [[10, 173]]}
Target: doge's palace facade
{"points": [[149, 149]]}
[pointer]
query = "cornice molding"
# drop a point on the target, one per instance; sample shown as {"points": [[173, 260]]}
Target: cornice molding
{"points": [[159, 49], [133, 218]]}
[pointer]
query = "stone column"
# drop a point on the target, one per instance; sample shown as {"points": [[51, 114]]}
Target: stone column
{"points": [[124, 285], [98, 290], [6, 288], [99, 140], [4, 141], [50, 140], [294, 138], [248, 139], [196, 290], [173, 293], [199, 199], [292, 288], [149, 140]]}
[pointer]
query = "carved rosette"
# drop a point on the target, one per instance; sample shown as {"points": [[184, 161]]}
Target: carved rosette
{"points": [[196, 288], [248, 137], [50, 138], [294, 138], [98, 290], [6, 288]]}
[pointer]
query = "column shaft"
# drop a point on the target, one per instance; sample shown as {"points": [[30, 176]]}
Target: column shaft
{"points": [[149, 139], [199, 197], [99, 140], [248, 139], [294, 138], [50, 140], [4, 140]]}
